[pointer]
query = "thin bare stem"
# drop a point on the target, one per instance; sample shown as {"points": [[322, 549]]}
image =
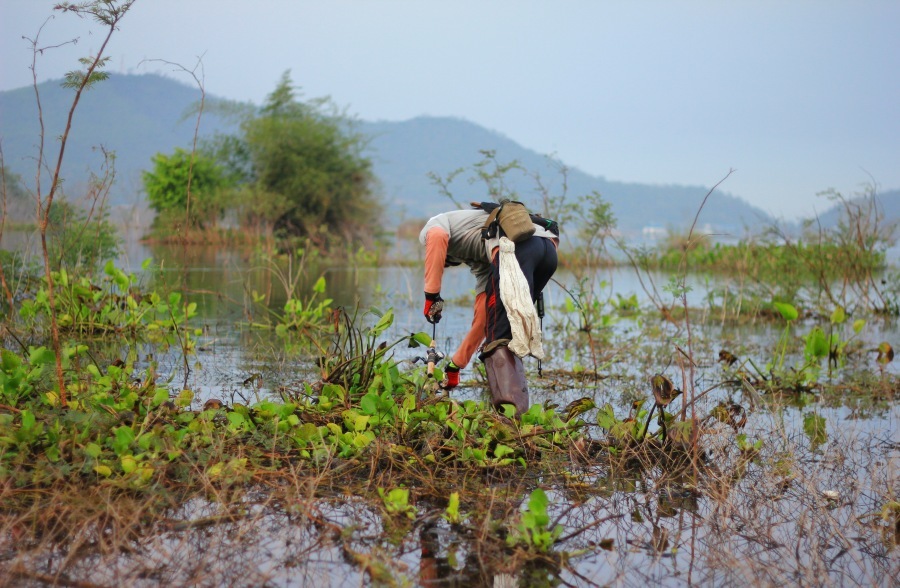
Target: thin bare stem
{"points": [[113, 16], [3, 195], [689, 391]]}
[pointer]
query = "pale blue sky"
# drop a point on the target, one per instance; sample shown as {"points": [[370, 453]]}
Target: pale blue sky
{"points": [[797, 96]]}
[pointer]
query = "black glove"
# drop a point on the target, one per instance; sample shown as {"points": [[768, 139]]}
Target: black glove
{"points": [[434, 304]]}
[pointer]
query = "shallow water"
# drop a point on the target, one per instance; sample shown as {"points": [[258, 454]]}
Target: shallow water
{"points": [[640, 528], [656, 534]]}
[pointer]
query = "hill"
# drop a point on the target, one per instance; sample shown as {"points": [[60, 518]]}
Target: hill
{"points": [[133, 117], [136, 116], [887, 205], [405, 152]]}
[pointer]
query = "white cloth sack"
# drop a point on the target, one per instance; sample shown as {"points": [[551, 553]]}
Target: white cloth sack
{"points": [[516, 297]]}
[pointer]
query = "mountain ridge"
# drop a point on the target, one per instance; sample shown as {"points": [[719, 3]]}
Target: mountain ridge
{"points": [[673, 205], [137, 116]]}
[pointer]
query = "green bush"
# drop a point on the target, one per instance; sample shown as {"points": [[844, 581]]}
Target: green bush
{"points": [[176, 176]]}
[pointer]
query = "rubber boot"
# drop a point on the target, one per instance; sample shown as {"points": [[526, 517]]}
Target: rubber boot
{"points": [[506, 378]]}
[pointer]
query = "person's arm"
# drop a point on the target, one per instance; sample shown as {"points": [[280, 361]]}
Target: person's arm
{"points": [[436, 242], [475, 336]]}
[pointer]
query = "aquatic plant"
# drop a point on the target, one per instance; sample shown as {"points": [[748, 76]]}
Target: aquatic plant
{"points": [[534, 530]]}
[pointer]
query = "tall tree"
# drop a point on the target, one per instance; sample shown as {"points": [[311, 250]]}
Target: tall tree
{"points": [[308, 156]]}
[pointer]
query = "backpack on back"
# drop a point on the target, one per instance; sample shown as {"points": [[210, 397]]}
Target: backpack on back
{"points": [[512, 220]]}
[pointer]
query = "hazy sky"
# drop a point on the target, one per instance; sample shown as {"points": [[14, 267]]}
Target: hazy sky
{"points": [[796, 96]]}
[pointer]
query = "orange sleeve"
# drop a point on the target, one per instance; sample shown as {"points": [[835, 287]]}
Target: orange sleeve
{"points": [[436, 241], [475, 336]]}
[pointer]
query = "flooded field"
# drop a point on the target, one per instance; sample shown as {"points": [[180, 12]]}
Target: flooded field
{"points": [[777, 464]]}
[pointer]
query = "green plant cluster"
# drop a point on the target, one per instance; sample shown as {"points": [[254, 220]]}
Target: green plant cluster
{"points": [[119, 426], [186, 187], [295, 167], [114, 305], [769, 262], [844, 264], [121, 431], [821, 351], [534, 530]]}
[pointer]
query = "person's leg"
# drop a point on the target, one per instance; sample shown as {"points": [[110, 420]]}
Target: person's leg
{"points": [[545, 268], [530, 254], [506, 379], [505, 371], [497, 324]]}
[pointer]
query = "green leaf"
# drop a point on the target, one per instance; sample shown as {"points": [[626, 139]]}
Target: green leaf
{"points": [[319, 286], [307, 432], [606, 418], [384, 322], [124, 436], [361, 422], [421, 338], [128, 463], [236, 419], [537, 506], [41, 356], [838, 316], [216, 470], [814, 427], [816, 344], [501, 450], [858, 325], [184, 398], [9, 361], [451, 515], [368, 404], [27, 420], [788, 312], [161, 395], [93, 450]]}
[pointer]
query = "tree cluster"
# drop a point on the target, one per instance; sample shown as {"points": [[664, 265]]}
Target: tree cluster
{"points": [[295, 168]]}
